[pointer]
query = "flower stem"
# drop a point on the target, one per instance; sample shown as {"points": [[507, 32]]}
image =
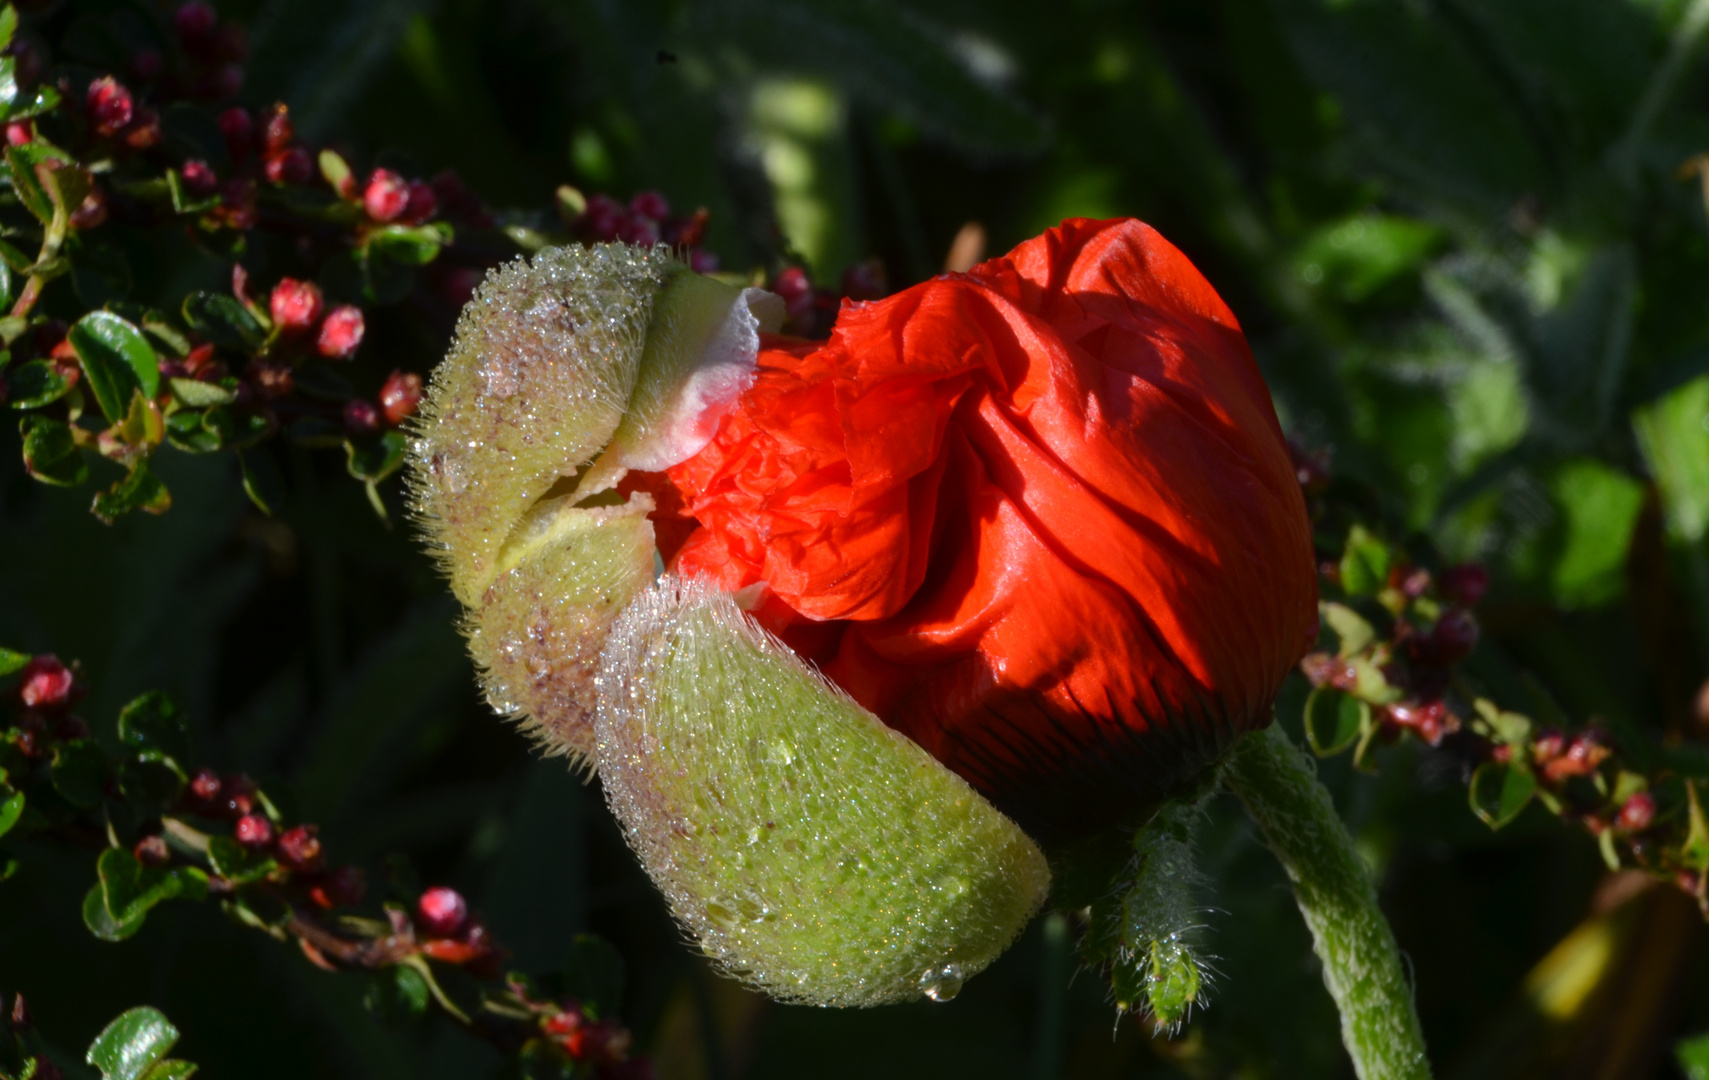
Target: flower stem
{"points": [[1361, 963]]}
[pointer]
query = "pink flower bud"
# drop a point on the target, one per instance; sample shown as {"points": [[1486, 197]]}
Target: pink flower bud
{"points": [[640, 230], [109, 106], [1637, 814], [702, 261], [152, 851], [400, 396], [18, 134], [199, 177], [604, 218], [296, 305], [45, 684], [441, 912], [254, 831], [205, 786], [650, 204], [1455, 635], [361, 417], [290, 166], [422, 203], [341, 333], [298, 848], [239, 131], [386, 195], [797, 291]]}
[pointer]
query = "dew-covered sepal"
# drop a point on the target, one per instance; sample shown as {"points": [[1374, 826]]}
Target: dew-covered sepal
{"points": [[812, 851], [1145, 930]]}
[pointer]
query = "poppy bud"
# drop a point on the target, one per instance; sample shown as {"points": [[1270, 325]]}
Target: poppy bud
{"points": [[386, 195], [341, 333], [109, 106], [295, 305]]}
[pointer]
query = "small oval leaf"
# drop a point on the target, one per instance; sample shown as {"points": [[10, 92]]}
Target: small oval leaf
{"points": [[1500, 790]]}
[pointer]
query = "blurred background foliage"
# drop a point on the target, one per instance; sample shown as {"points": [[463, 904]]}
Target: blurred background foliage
{"points": [[1467, 239]]}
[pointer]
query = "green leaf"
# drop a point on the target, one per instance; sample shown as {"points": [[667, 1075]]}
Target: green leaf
{"points": [[45, 100], [100, 921], [139, 489], [12, 660], [129, 889], [201, 395], [1351, 629], [150, 786], [182, 201], [1500, 790], [1358, 255], [20, 169], [378, 459], [154, 729], [223, 321], [118, 360], [36, 383], [1693, 1054], [65, 182], [11, 808], [396, 994], [236, 863], [8, 24], [50, 452], [79, 772], [411, 245], [128, 1046], [171, 1069], [1364, 564], [1333, 720], [261, 481], [185, 430]]}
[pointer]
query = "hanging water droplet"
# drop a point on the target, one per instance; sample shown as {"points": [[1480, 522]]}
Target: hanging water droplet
{"points": [[942, 983]]}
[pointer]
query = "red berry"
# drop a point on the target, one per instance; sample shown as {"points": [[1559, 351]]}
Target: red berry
{"points": [[298, 848], [400, 396], [296, 305], [45, 684], [341, 333], [361, 417], [441, 912], [386, 195], [650, 204], [254, 831], [422, 203], [198, 177], [1638, 812], [1547, 747], [1465, 584], [18, 134], [109, 106], [239, 132]]}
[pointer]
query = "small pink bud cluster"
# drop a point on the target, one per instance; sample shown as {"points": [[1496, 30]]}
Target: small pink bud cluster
{"points": [[112, 113], [296, 850], [447, 931], [646, 220], [298, 309], [45, 694], [582, 1037], [389, 199], [811, 310]]}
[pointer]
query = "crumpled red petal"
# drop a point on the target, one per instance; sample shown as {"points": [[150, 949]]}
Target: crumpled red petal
{"points": [[1040, 517]]}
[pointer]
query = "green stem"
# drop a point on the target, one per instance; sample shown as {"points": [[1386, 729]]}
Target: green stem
{"points": [[1361, 964]]}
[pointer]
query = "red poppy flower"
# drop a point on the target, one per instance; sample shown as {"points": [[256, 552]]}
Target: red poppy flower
{"points": [[1039, 517]]}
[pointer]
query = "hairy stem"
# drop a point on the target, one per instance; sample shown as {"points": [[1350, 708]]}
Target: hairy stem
{"points": [[1361, 964]]}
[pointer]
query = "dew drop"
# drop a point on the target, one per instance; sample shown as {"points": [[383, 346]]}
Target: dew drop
{"points": [[942, 983]]}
